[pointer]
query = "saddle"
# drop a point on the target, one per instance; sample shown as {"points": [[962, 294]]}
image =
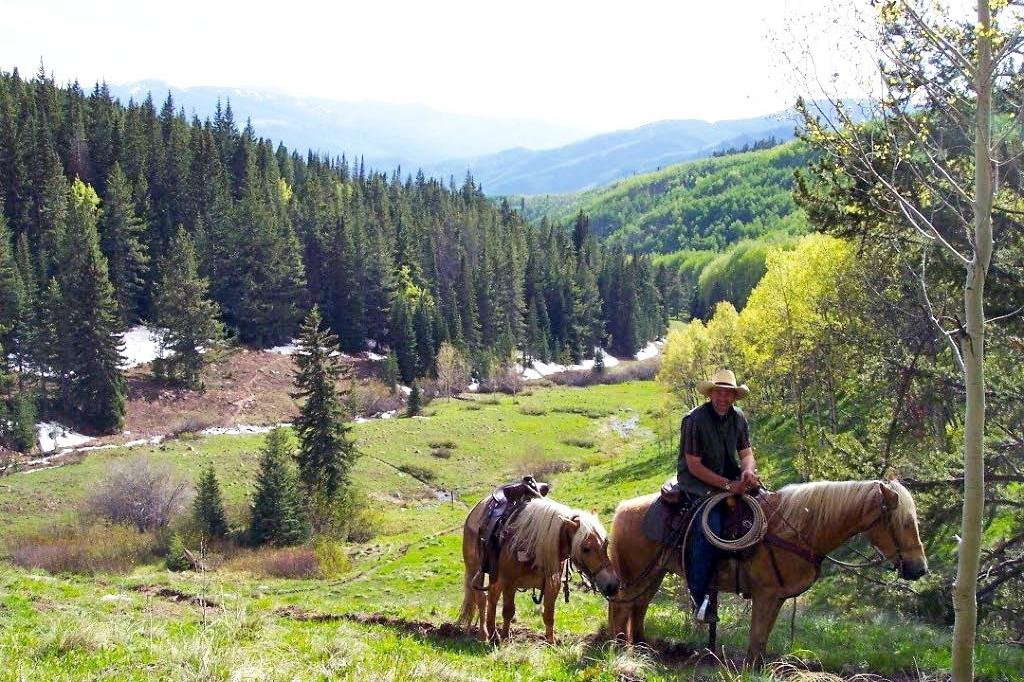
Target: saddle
{"points": [[501, 506]]}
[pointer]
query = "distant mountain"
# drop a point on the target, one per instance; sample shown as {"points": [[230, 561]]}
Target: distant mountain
{"points": [[410, 135], [602, 159]]}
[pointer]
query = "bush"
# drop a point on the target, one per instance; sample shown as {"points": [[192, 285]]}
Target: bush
{"points": [[373, 397], [140, 493], [490, 400], [643, 370], [99, 548], [585, 443], [532, 410], [449, 444], [441, 453], [474, 405], [416, 471], [290, 562], [190, 426], [176, 559], [331, 559]]}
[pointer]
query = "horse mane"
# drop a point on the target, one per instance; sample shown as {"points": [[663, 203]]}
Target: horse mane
{"points": [[812, 506], [537, 529]]}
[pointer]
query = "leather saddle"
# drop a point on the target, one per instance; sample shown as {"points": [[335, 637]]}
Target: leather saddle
{"points": [[502, 504]]}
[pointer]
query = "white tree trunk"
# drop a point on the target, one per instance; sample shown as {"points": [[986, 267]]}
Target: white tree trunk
{"points": [[972, 345]]}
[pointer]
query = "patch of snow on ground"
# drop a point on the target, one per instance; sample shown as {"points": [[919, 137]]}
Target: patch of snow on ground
{"points": [[473, 387], [141, 345], [389, 414], [375, 357], [289, 349], [51, 435], [405, 390], [541, 369], [155, 440], [651, 350]]}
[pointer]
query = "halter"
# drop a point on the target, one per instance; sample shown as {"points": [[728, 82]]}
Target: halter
{"points": [[885, 514], [585, 572]]}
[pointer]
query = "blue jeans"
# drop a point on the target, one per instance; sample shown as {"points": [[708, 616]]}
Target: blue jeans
{"points": [[702, 556]]}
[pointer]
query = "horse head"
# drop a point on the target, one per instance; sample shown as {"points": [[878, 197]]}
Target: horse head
{"points": [[588, 550], [894, 532]]}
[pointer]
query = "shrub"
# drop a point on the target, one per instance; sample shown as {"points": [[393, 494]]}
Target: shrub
{"points": [[190, 426], [141, 493], [474, 405], [416, 471], [532, 410], [490, 400], [450, 444], [176, 559], [441, 453], [290, 562], [373, 397], [415, 403], [551, 467], [331, 559], [585, 443], [99, 548]]}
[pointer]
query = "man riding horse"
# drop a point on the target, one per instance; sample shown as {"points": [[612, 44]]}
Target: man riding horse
{"points": [[714, 455]]}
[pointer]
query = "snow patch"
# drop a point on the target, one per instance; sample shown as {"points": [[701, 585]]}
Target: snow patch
{"points": [[473, 387], [538, 369], [51, 435], [289, 349], [405, 389], [375, 357], [141, 346], [649, 351]]}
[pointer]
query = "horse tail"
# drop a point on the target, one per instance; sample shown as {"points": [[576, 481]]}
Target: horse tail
{"points": [[469, 600]]}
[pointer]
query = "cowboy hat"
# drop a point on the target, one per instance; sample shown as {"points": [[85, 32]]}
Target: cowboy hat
{"points": [[723, 378]]}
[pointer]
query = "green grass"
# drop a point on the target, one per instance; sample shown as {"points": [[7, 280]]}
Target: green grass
{"points": [[408, 576]]}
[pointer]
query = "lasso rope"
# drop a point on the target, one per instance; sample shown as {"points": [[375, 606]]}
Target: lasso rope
{"points": [[757, 531]]}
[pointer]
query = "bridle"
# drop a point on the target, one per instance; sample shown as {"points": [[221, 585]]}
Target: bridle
{"points": [[586, 574], [885, 517]]}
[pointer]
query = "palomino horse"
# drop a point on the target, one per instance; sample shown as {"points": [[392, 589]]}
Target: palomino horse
{"points": [[805, 522], [547, 535]]}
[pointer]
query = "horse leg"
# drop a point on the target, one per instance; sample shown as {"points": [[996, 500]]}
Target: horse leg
{"points": [[508, 609], [638, 611], [765, 611], [490, 629], [548, 614], [618, 620]]}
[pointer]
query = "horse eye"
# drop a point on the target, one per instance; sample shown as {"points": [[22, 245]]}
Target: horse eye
{"points": [[586, 549]]}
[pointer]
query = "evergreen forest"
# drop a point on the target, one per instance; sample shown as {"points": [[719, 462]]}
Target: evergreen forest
{"points": [[95, 192]]}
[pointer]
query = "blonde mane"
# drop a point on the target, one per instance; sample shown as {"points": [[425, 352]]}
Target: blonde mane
{"points": [[536, 530], [810, 507]]}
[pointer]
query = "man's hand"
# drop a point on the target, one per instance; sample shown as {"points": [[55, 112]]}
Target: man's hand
{"points": [[750, 480], [736, 487]]}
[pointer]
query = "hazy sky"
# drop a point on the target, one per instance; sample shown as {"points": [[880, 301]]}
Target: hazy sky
{"points": [[593, 65]]}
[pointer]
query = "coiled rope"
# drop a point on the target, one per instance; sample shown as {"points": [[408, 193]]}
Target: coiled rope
{"points": [[758, 528]]}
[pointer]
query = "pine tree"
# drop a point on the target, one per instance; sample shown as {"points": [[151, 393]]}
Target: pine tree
{"points": [[87, 320], [176, 559], [422, 323], [277, 516], [585, 325], [12, 291], [415, 403], [181, 307], [208, 508], [326, 454], [122, 232], [403, 339]]}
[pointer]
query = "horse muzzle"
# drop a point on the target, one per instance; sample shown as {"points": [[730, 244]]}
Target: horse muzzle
{"points": [[607, 582], [912, 570]]}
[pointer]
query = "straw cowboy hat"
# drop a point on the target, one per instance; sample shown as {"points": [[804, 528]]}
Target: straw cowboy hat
{"points": [[723, 378]]}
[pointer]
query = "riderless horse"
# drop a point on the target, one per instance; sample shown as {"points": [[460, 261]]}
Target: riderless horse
{"points": [[541, 541]]}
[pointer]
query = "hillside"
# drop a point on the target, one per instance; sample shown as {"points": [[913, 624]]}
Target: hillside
{"points": [[700, 205], [605, 158], [386, 610]]}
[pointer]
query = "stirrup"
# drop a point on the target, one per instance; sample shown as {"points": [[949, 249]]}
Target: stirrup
{"points": [[702, 614], [478, 582]]}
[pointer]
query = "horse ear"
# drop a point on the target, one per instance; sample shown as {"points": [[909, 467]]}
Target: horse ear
{"points": [[890, 476], [889, 496], [575, 521]]}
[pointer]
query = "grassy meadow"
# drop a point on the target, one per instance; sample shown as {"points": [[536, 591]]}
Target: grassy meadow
{"points": [[385, 611]]}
